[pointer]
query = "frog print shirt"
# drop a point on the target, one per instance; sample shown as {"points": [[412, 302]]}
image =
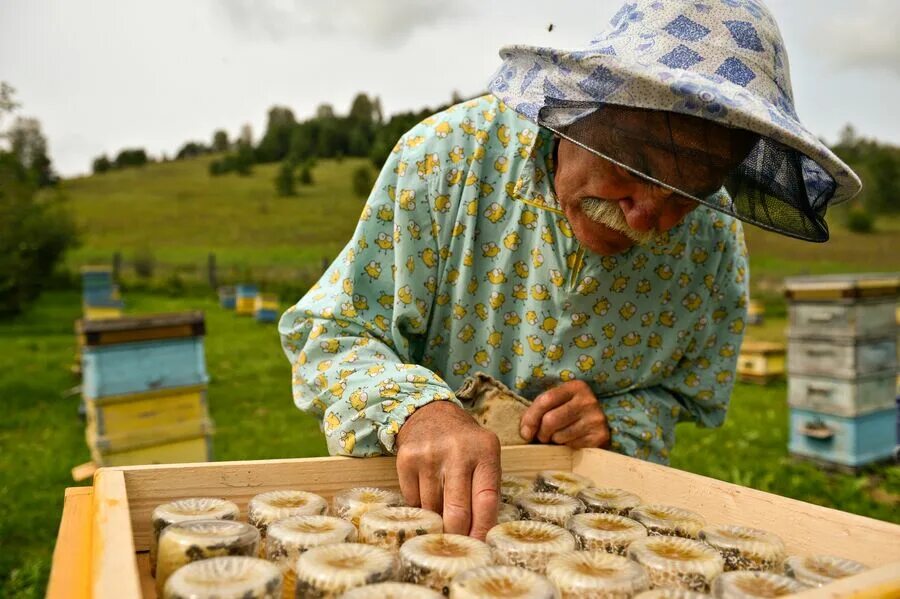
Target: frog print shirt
{"points": [[463, 261]]}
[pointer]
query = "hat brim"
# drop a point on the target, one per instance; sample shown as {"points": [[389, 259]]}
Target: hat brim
{"points": [[562, 86]]}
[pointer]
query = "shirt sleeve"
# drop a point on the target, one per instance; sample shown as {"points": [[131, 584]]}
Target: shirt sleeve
{"points": [[356, 339], [698, 388]]}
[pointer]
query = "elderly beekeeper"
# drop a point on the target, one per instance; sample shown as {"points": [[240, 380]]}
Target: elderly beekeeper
{"points": [[575, 234]]}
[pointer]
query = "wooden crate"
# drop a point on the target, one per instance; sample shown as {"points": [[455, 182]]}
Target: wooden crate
{"points": [[117, 534], [842, 358], [191, 449], [761, 362]]}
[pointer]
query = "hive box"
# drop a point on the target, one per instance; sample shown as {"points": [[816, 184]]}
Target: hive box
{"points": [[245, 299], [143, 366], [850, 442], [760, 361], [101, 550]]}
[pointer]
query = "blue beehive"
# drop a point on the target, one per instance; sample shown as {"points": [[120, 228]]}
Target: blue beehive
{"points": [[144, 366], [841, 440], [842, 362]]}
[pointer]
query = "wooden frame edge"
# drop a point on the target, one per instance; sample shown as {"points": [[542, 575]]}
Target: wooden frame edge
{"points": [[114, 574], [70, 575]]}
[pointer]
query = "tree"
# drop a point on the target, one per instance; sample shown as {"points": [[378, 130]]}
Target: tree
{"points": [[276, 141], [246, 135], [191, 149], [29, 146], [284, 182], [101, 164], [131, 157], [305, 177], [34, 232], [325, 111], [362, 181], [220, 141], [243, 162]]}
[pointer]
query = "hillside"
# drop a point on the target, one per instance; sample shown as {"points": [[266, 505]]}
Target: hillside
{"points": [[180, 213]]}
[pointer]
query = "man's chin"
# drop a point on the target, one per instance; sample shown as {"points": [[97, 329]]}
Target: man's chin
{"points": [[608, 247]]}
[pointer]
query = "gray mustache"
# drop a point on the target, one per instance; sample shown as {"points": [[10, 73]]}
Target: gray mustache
{"points": [[610, 215]]}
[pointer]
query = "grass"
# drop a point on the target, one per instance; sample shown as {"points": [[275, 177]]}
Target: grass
{"points": [[249, 396]]}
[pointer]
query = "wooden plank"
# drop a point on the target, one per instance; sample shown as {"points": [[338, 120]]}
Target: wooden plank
{"points": [[807, 529], [878, 583], [147, 321], [148, 584], [114, 573], [71, 572], [149, 486], [83, 472]]}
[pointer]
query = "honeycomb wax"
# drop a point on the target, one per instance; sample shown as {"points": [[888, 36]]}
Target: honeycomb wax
{"points": [[677, 562], [816, 570], [327, 571], [507, 582], [668, 520], [560, 481], [554, 508], [528, 544], [590, 574], [605, 532], [288, 538], [184, 542], [229, 577], [608, 500], [182, 510], [353, 503], [433, 560], [745, 548], [391, 527]]}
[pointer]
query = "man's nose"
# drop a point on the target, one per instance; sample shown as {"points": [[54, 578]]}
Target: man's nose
{"points": [[650, 208]]}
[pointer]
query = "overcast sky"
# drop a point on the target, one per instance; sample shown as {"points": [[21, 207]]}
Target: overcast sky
{"points": [[106, 74]]}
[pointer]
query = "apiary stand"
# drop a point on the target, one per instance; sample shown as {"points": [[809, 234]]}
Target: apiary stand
{"points": [[114, 534]]}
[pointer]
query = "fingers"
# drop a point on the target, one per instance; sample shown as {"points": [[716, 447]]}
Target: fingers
{"points": [[430, 491], [486, 493], [458, 499], [408, 474], [563, 416], [589, 431], [531, 419]]}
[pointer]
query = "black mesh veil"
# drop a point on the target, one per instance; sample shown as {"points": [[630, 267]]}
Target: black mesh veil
{"points": [[752, 177]]}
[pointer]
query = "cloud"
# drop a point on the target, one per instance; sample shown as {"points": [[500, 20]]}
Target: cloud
{"points": [[865, 38], [384, 23]]}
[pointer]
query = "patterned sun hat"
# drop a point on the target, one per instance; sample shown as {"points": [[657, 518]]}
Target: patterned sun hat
{"points": [[720, 60]]}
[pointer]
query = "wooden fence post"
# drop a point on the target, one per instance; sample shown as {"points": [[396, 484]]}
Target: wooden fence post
{"points": [[116, 265], [211, 270]]}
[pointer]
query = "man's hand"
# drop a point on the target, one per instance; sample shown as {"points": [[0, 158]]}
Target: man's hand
{"points": [[449, 464], [566, 415]]}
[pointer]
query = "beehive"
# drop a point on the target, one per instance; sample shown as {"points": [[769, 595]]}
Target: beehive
{"points": [[245, 299], [144, 389], [106, 530], [265, 307], [842, 367], [755, 312], [761, 362], [227, 295]]}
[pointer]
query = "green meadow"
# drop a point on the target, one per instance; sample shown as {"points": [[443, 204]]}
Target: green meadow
{"points": [[180, 214]]}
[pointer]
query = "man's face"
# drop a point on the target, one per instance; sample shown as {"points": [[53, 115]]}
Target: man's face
{"points": [[611, 209]]}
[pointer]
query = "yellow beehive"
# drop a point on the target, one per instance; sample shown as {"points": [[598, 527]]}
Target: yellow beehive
{"points": [[245, 300], [135, 413], [755, 311], [183, 442], [761, 362], [102, 312]]}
